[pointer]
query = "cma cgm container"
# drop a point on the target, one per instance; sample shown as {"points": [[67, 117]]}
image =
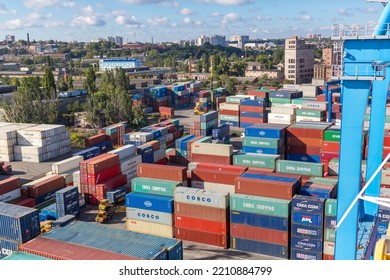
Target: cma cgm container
{"points": [[7, 248], [18, 223]]}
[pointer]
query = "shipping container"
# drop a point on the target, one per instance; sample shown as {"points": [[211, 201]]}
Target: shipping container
{"points": [[102, 162], [307, 204], [124, 152], [88, 153], [6, 197], [303, 255], [202, 197], [7, 248], [307, 244], [202, 237], [221, 177], [212, 149], [211, 159], [202, 225], [150, 202], [264, 248], [307, 231], [164, 172], [66, 165], [22, 256], [201, 212], [150, 228], [308, 219], [303, 168], [260, 234], [213, 187], [263, 221], [220, 167], [150, 216], [9, 184], [154, 186]]}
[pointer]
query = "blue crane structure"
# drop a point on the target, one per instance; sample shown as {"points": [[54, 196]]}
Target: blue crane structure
{"points": [[364, 74]]}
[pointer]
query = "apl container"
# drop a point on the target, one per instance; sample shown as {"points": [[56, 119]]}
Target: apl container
{"points": [[18, 223], [308, 219]]}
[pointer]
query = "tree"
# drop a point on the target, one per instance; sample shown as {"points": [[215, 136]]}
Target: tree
{"points": [[70, 82], [238, 68], [139, 116], [90, 81], [49, 84], [91, 107], [62, 85]]}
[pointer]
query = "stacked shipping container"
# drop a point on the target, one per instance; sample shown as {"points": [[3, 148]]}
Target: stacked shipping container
{"points": [[253, 111], [329, 232]]}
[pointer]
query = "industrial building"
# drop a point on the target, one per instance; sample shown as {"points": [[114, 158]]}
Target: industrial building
{"points": [[110, 64]]}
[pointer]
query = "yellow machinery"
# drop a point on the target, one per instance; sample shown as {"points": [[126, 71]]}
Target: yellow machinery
{"points": [[106, 210], [382, 247], [45, 226]]}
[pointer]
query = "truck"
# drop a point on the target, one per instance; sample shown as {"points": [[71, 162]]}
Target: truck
{"points": [[107, 209], [5, 169]]}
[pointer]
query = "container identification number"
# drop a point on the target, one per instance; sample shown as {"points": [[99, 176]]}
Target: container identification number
{"points": [[232, 270]]}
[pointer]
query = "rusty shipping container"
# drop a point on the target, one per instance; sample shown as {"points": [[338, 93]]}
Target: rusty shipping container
{"points": [[102, 162], [202, 237], [201, 212], [260, 234], [108, 173], [164, 172], [202, 225], [221, 167], [220, 177], [50, 184], [9, 184]]}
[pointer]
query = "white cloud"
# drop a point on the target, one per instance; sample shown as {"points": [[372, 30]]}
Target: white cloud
{"points": [[126, 20], [306, 18], [187, 20], [68, 4], [54, 24], [39, 4], [4, 10], [12, 24], [88, 10], [262, 18], [174, 25], [185, 11], [198, 23], [169, 4], [216, 14], [284, 18], [158, 21], [231, 17], [230, 2], [344, 13], [93, 20], [142, 2]]}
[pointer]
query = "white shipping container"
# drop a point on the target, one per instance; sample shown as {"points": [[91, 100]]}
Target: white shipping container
{"points": [[130, 171], [281, 122], [68, 177], [281, 117], [305, 118], [2, 124], [150, 228], [145, 137], [27, 141], [385, 192], [159, 154], [169, 137], [8, 142], [385, 176], [10, 195], [202, 197], [288, 105], [315, 105], [28, 158], [150, 216], [7, 150], [66, 165], [131, 162], [283, 110], [9, 132], [124, 152], [7, 157], [212, 149], [213, 187], [41, 131], [329, 248], [229, 106], [76, 177]]}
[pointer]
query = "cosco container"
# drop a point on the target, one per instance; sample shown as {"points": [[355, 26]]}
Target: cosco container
{"points": [[260, 205], [269, 249], [256, 220], [150, 216], [18, 223], [150, 202], [202, 197]]}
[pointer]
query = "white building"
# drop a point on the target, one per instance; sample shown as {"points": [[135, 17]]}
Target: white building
{"points": [[110, 64]]}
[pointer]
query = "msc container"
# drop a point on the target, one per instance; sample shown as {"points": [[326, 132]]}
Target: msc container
{"points": [[150, 228], [269, 249], [124, 152], [260, 205], [260, 234], [263, 221], [66, 165], [223, 150], [201, 212], [306, 244], [308, 204], [303, 255], [202, 225], [164, 172], [303, 168], [154, 186], [308, 219], [307, 231], [202, 237], [202, 197], [60, 250], [18, 223], [7, 248], [150, 202], [149, 216], [88, 153]]}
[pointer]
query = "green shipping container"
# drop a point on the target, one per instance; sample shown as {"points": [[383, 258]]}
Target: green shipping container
{"points": [[280, 100], [260, 205], [154, 186], [329, 235], [331, 207], [301, 100], [332, 135], [258, 142], [229, 118], [310, 113], [300, 168], [324, 181], [255, 160], [213, 123], [235, 99], [206, 139]]}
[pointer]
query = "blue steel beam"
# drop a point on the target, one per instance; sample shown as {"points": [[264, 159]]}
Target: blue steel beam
{"points": [[355, 96], [382, 27]]}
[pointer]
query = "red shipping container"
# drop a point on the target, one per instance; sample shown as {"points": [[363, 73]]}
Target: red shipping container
{"points": [[267, 188], [171, 128], [202, 212], [259, 169], [60, 250], [221, 167], [50, 184], [303, 149], [220, 177], [262, 94], [251, 120], [327, 257], [201, 225], [189, 153], [101, 162], [305, 132], [229, 112], [204, 94], [26, 202], [196, 125], [211, 159], [253, 109], [202, 237], [295, 141], [336, 107], [260, 234], [155, 144], [386, 139], [173, 173], [9, 184], [109, 184], [328, 156], [93, 140], [329, 146], [94, 179]]}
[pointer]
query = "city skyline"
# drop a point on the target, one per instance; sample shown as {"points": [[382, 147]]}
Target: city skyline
{"points": [[168, 21]]}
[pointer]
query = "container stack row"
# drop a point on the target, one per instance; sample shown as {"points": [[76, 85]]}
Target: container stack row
{"points": [[282, 99], [329, 232], [128, 161], [253, 111], [202, 102]]}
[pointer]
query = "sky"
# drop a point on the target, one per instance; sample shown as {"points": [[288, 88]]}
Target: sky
{"points": [[171, 20]]}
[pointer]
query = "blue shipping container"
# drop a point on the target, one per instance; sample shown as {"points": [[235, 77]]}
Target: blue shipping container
{"points": [[272, 178], [117, 194], [150, 202], [266, 131], [257, 102], [261, 150], [235, 124], [88, 153], [7, 248], [330, 222], [252, 114], [309, 219], [306, 231], [307, 244], [302, 255], [209, 116], [304, 157], [245, 124], [383, 214], [285, 94], [269, 249], [18, 223], [256, 220], [317, 192], [67, 194], [46, 197], [307, 204], [104, 146]]}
